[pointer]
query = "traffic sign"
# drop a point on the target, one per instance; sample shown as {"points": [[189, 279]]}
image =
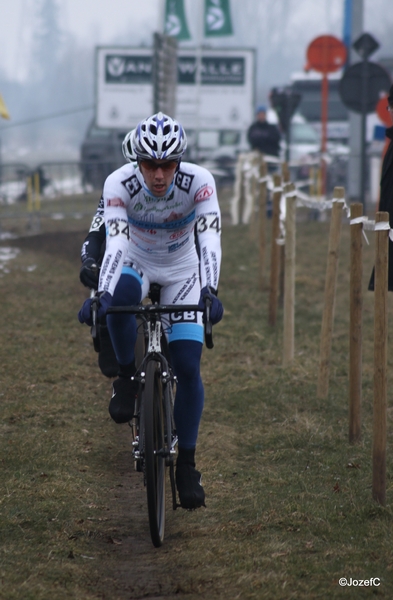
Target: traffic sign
{"points": [[285, 102], [365, 45], [362, 85], [382, 112], [326, 54]]}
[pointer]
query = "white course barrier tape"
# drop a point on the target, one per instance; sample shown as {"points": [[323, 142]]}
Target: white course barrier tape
{"points": [[370, 225], [304, 200]]}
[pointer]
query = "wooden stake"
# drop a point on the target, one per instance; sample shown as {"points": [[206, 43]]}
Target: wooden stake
{"points": [[380, 360], [253, 188], [286, 180], [275, 251], [355, 326], [330, 293], [289, 274], [262, 221], [29, 188], [37, 195], [237, 191]]}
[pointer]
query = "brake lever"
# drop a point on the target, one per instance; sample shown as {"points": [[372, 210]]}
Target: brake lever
{"points": [[208, 325]]}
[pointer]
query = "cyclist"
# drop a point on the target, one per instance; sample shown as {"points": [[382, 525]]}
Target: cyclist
{"points": [[92, 252], [150, 212]]}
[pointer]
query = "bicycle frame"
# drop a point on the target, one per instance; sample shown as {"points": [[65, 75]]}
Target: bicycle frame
{"points": [[154, 435]]}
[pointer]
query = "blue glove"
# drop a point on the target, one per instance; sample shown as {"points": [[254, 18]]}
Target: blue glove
{"points": [[216, 308], [104, 302]]}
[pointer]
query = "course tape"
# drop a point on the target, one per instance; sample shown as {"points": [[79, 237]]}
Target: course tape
{"points": [[307, 202], [370, 225]]}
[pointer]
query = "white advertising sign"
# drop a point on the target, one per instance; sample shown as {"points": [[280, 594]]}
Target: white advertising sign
{"points": [[223, 92], [123, 86]]}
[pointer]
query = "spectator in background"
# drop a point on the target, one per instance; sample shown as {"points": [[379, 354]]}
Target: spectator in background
{"points": [[386, 194], [264, 136]]}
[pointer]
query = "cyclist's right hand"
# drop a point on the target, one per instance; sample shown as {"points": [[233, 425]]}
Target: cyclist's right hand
{"points": [[216, 307], [89, 273], [104, 300]]}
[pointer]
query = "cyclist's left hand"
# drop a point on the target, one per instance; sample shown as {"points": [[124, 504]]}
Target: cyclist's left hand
{"points": [[216, 308], [104, 302]]}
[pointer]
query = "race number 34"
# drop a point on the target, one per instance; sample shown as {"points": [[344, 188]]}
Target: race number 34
{"points": [[206, 222], [117, 227]]}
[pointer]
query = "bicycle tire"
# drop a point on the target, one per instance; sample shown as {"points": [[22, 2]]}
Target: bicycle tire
{"points": [[154, 443]]}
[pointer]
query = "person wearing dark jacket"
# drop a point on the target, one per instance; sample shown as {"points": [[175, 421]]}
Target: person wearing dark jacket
{"points": [[264, 136], [386, 193]]}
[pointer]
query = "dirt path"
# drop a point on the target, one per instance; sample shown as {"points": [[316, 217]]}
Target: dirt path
{"points": [[135, 569], [125, 565]]}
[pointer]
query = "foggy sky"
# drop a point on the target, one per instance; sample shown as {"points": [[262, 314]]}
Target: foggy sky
{"points": [[280, 30]]}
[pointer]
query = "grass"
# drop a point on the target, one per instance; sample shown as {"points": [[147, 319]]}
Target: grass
{"points": [[289, 506]]}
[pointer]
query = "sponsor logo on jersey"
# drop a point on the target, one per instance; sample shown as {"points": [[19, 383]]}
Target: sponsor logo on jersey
{"points": [[115, 202], [183, 317], [177, 245], [177, 234], [150, 199], [184, 181], [173, 217], [186, 289], [132, 185], [156, 224], [203, 193]]}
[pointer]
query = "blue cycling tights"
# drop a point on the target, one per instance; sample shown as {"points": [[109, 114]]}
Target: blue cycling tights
{"points": [[185, 358]]}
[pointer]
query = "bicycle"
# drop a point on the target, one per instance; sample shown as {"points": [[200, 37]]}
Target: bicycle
{"points": [[154, 438]]}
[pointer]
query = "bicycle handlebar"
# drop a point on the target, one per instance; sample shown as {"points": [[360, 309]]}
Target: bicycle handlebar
{"points": [[161, 309], [153, 308], [208, 325]]}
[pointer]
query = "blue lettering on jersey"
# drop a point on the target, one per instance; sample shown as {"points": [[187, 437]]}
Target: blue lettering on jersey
{"points": [[176, 224], [177, 245]]}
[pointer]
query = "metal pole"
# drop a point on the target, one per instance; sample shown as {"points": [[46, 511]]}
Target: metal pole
{"points": [[354, 163], [363, 138], [324, 119]]}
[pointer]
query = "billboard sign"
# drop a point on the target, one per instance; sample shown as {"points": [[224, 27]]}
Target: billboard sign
{"points": [[221, 97], [124, 94]]}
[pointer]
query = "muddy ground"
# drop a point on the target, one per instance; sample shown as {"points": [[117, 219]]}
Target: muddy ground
{"points": [[130, 567]]}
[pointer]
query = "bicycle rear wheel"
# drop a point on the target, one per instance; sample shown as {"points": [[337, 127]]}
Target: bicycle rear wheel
{"points": [[154, 451]]}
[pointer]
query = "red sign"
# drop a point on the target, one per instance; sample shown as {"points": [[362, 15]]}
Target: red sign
{"points": [[326, 54], [382, 112]]}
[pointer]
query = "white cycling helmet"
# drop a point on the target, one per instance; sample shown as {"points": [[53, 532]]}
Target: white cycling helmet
{"points": [[127, 147], [159, 137]]}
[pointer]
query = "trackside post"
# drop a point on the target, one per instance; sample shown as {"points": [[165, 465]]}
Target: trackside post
{"points": [[355, 324], [275, 251], [289, 275], [330, 292], [237, 190], [380, 357], [252, 187], [262, 220], [286, 181]]}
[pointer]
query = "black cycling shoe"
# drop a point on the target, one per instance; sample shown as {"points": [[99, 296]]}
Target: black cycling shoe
{"points": [[189, 486], [122, 403]]}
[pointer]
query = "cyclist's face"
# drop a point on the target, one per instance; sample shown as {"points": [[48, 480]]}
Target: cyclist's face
{"points": [[158, 174]]}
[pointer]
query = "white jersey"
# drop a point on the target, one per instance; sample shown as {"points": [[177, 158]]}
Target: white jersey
{"points": [[160, 231]]}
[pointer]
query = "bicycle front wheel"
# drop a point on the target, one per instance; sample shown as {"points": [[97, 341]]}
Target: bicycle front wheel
{"points": [[154, 443]]}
